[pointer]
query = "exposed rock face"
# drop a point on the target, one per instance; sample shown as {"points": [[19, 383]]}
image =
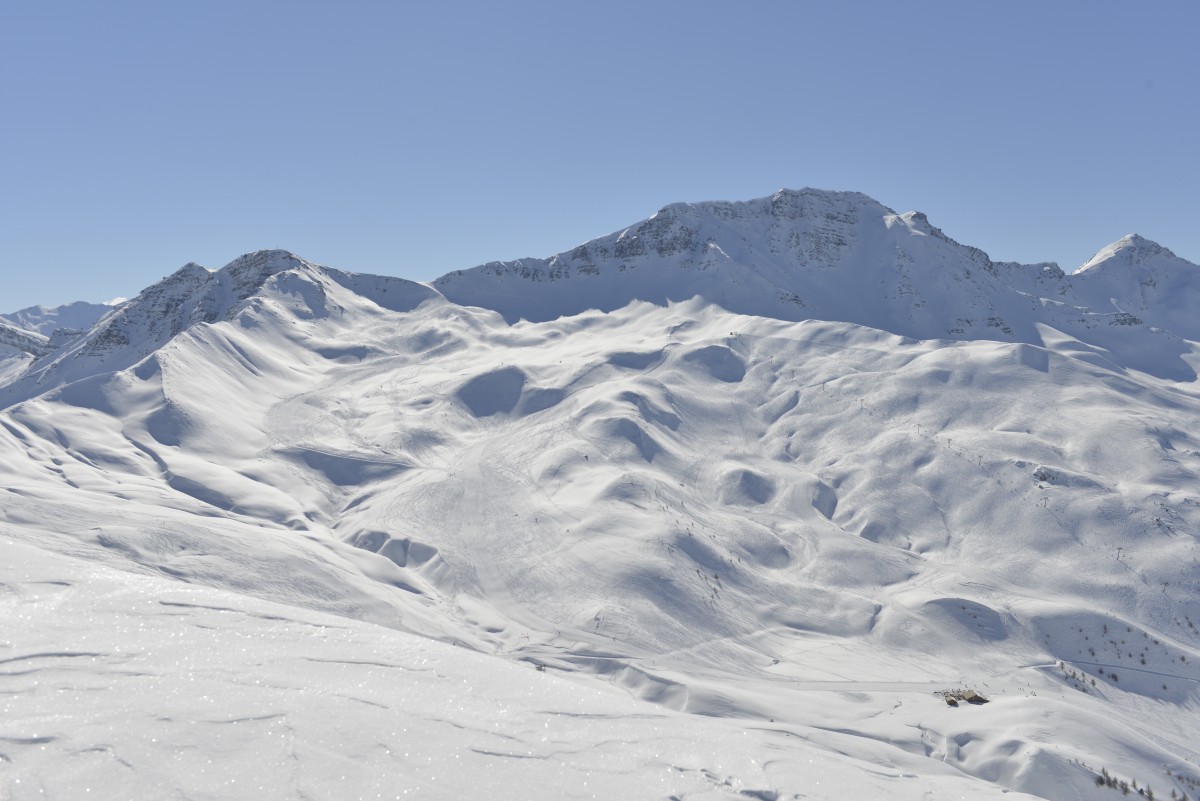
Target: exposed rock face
{"points": [[23, 341]]}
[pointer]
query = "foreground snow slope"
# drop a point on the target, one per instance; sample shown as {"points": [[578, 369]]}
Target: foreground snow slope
{"points": [[788, 522], [119, 686]]}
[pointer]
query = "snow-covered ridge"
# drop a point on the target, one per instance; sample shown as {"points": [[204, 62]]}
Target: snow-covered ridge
{"points": [[814, 254], [196, 296], [1131, 250], [795, 255], [190, 296], [23, 341], [1143, 278], [77, 316]]}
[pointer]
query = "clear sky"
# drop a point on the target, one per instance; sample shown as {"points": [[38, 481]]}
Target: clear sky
{"points": [[412, 138]]}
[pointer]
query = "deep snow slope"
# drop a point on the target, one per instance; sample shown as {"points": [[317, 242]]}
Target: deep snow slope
{"points": [[695, 494]]}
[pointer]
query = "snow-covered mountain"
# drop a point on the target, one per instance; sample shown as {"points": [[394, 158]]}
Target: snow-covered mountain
{"points": [[799, 463], [809, 254], [841, 256], [271, 281], [18, 340], [78, 316], [18, 348], [39, 330], [1140, 277], [793, 256]]}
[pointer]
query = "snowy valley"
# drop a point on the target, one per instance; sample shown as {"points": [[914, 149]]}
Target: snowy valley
{"points": [[727, 504]]}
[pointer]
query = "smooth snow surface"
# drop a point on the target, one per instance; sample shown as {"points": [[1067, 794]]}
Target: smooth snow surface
{"points": [[749, 482]]}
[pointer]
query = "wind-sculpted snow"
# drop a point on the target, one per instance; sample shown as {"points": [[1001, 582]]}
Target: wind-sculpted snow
{"points": [[806, 527]]}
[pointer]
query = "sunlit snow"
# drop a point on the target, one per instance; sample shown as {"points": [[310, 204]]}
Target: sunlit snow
{"points": [[716, 506]]}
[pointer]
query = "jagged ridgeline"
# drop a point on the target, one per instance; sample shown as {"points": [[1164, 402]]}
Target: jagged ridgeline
{"points": [[797, 459]]}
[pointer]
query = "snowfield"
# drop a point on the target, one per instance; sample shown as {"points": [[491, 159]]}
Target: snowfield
{"points": [[138, 687], [717, 506]]}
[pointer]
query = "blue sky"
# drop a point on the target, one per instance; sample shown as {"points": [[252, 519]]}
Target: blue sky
{"points": [[411, 140]]}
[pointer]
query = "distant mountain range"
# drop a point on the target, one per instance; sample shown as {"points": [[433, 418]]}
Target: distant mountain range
{"points": [[78, 316], [797, 255]]}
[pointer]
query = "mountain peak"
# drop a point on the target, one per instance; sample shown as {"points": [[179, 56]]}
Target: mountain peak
{"points": [[1129, 250], [194, 293], [273, 259], [919, 221], [795, 254], [826, 195], [191, 295], [1145, 279]]}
